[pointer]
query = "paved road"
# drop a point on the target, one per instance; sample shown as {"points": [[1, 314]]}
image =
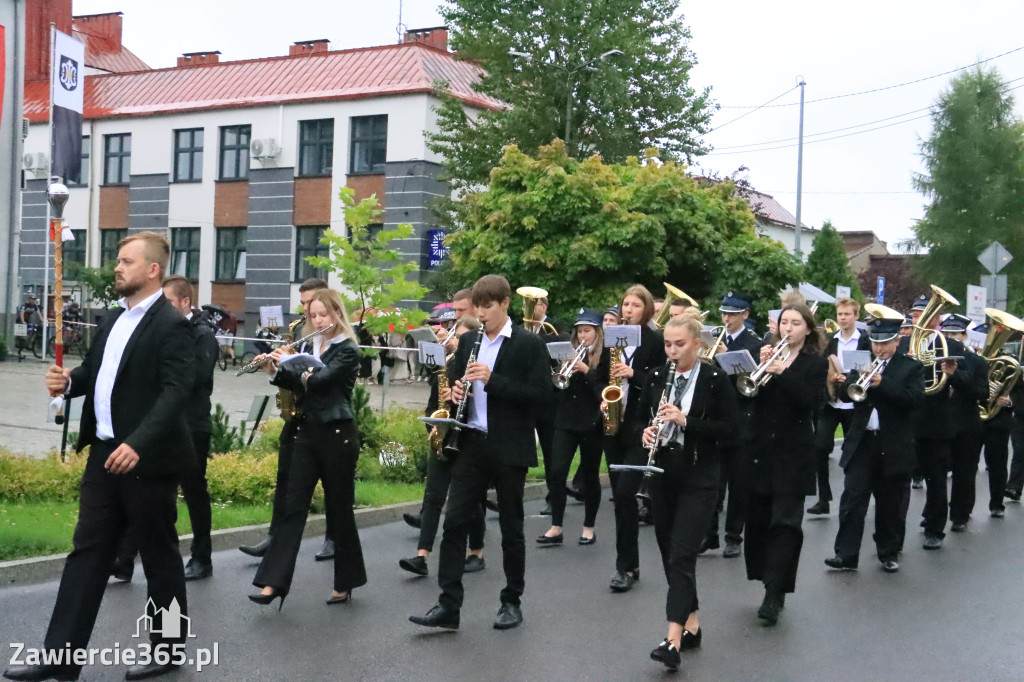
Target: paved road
{"points": [[955, 614]]}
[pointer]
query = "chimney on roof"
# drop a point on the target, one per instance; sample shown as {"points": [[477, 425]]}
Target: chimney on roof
{"points": [[104, 27], [308, 47], [198, 58], [38, 16], [433, 37]]}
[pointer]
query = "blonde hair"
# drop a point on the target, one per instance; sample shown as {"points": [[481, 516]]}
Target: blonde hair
{"points": [[335, 307], [849, 303], [594, 356], [688, 322], [154, 245]]}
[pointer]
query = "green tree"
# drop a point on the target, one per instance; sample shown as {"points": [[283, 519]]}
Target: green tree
{"points": [[638, 96], [759, 266], [827, 267], [97, 282], [974, 182], [374, 278]]}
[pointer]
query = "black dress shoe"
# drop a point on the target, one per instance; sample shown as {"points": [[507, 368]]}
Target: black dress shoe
{"points": [[1013, 494], [33, 673], [998, 513], [326, 552], [123, 571], [667, 654], [890, 565], [546, 541], [732, 550], [691, 640], [414, 520], [958, 527], [416, 564], [509, 616], [932, 542], [438, 617], [474, 564], [841, 564], [820, 507], [197, 570], [142, 672], [770, 606], [257, 550], [709, 542], [546, 511], [623, 581], [588, 541]]}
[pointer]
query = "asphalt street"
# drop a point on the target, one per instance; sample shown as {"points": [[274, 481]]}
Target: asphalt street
{"points": [[954, 614]]}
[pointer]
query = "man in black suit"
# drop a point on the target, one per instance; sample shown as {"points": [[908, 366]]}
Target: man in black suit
{"points": [[509, 378], [878, 452], [840, 409], [136, 380], [549, 330], [735, 309]]}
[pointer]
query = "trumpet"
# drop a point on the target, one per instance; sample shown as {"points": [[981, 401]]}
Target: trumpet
{"points": [[859, 391], [750, 384], [255, 365], [561, 378], [707, 353]]}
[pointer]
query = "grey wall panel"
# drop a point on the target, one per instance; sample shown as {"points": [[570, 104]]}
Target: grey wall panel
{"points": [[148, 202], [269, 256]]}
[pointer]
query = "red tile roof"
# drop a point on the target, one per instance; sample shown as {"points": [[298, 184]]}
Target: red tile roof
{"points": [[767, 208], [104, 55], [345, 74]]}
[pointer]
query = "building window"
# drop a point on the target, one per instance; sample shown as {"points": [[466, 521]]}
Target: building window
{"points": [[234, 152], [108, 245], [185, 252], [307, 243], [84, 179], [188, 155], [230, 253], [316, 147], [369, 144], [74, 250], [117, 159]]}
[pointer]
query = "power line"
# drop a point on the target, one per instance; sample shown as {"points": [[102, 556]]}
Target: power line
{"points": [[880, 89], [790, 191], [755, 109]]}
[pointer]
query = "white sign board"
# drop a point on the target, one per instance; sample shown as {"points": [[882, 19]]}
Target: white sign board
{"points": [[271, 316], [842, 292], [976, 301]]}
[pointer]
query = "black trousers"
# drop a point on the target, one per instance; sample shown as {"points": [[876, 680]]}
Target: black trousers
{"points": [[285, 448], [621, 449], [474, 469], [681, 515], [1016, 479], [825, 431], [439, 479], [775, 537], [736, 511], [996, 455], [965, 450], [933, 458], [588, 474], [546, 440], [106, 504], [325, 453], [865, 477]]}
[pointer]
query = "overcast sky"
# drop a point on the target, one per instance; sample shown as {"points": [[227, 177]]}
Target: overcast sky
{"points": [[750, 52]]}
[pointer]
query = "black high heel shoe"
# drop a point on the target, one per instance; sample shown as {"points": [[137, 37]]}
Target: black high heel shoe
{"points": [[265, 599], [347, 597]]}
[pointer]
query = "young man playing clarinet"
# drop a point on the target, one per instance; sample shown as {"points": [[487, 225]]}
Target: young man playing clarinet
{"points": [[509, 376]]}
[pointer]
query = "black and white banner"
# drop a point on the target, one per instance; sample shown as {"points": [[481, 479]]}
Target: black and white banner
{"points": [[67, 85]]}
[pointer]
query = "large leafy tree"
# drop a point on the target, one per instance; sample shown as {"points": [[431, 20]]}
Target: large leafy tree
{"points": [[827, 267], [619, 105], [585, 230], [974, 182]]}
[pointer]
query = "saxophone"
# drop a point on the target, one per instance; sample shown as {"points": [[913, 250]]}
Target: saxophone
{"points": [[612, 397], [285, 398], [438, 433]]}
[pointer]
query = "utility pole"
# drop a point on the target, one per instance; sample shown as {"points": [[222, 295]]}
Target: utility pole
{"points": [[799, 173]]}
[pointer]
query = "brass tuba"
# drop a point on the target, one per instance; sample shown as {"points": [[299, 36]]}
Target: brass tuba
{"points": [[672, 295], [929, 345], [1003, 371], [530, 297]]}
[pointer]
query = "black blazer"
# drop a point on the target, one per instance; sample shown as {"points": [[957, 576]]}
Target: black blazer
{"points": [[327, 394], [648, 356], [782, 460], [896, 397], [579, 405], [749, 341], [968, 386], [207, 352], [710, 423], [520, 380], [934, 419], [832, 347], [151, 390]]}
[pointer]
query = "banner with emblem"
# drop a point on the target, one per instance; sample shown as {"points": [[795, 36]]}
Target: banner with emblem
{"points": [[67, 87]]}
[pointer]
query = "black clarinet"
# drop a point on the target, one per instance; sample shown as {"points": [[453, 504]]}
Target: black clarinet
{"points": [[644, 493], [451, 441]]}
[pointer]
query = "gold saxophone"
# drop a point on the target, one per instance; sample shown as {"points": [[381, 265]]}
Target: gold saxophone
{"points": [[286, 399], [437, 433], [612, 397]]}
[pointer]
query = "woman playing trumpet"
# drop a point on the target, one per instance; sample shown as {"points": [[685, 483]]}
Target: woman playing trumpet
{"points": [[698, 416], [780, 470], [578, 424]]}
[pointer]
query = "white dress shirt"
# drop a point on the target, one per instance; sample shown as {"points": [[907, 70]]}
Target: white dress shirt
{"points": [[487, 354], [627, 359], [683, 402], [842, 346], [117, 340], [873, 424]]}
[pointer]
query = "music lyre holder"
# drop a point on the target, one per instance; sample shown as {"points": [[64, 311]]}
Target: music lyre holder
{"points": [[445, 421], [649, 469]]}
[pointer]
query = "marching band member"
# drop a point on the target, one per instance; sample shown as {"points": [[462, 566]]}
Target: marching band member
{"points": [[326, 450], [624, 447], [578, 424], [699, 414], [734, 310], [968, 381], [839, 410], [509, 378], [780, 469], [878, 451]]}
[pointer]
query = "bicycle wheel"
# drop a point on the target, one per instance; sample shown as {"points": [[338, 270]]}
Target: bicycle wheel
{"points": [[222, 362], [35, 342]]}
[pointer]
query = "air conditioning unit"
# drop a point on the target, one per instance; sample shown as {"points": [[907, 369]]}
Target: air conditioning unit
{"points": [[265, 148], [35, 162]]}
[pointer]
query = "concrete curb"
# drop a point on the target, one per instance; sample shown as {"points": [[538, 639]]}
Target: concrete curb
{"points": [[45, 568]]}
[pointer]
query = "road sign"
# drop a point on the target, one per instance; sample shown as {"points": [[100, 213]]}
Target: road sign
{"points": [[880, 295], [976, 302], [996, 286], [995, 257], [842, 292]]}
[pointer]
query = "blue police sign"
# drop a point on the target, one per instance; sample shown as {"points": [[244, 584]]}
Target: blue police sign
{"points": [[437, 250]]}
